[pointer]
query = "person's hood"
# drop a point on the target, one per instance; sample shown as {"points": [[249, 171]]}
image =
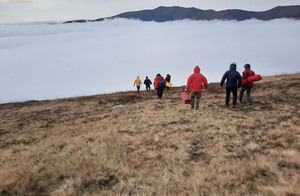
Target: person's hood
{"points": [[197, 69], [233, 67], [138, 77]]}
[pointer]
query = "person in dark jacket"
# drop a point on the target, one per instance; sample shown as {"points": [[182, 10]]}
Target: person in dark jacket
{"points": [[168, 79], [147, 82], [248, 86], [232, 76], [159, 85]]}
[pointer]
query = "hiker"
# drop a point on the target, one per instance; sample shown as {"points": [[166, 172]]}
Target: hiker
{"points": [[168, 79], [248, 86], [232, 77], [159, 85], [196, 81], [137, 82], [147, 82]]}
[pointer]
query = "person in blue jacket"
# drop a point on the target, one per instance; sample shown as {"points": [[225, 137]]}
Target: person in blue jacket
{"points": [[232, 76]]}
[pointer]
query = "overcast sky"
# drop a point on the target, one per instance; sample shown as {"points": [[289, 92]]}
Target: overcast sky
{"points": [[60, 10]]}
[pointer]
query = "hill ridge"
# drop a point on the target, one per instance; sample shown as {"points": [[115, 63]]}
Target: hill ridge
{"points": [[163, 14]]}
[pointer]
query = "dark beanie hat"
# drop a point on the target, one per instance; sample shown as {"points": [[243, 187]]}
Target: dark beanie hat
{"points": [[246, 66]]}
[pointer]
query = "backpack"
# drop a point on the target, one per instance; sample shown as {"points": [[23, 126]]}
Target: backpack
{"points": [[162, 83]]}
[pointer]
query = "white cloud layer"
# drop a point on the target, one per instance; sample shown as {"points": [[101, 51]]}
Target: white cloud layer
{"points": [[42, 61]]}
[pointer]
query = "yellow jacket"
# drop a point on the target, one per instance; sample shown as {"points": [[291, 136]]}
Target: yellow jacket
{"points": [[137, 82]]}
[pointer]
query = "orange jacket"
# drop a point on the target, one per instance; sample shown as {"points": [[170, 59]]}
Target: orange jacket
{"points": [[156, 81], [247, 73], [196, 80]]}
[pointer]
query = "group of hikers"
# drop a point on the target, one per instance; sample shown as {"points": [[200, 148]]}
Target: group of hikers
{"points": [[196, 82], [232, 76], [160, 84]]}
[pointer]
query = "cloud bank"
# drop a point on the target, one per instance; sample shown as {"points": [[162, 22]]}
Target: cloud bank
{"points": [[43, 61]]}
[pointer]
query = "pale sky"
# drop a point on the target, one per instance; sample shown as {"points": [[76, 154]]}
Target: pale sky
{"points": [[60, 10]]}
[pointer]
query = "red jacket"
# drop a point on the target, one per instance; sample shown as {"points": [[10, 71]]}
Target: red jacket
{"points": [[248, 72], [157, 80], [196, 80]]}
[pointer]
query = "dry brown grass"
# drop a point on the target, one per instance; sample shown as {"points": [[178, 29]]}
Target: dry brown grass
{"points": [[84, 146]]}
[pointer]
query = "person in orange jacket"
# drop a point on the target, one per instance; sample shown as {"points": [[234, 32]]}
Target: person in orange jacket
{"points": [[195, 81], [159, 85], [138, 83], [248, 86]]}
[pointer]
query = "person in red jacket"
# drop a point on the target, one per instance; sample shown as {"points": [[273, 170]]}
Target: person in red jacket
{"points": [[248, 86], [159, 85], [196, 81]]}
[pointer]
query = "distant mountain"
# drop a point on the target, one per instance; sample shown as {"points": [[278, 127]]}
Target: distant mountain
{"points": [[163, 14]]}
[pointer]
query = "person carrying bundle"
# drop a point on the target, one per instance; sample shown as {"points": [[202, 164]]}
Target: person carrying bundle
{"points": [[248, 86], [168, 79]]}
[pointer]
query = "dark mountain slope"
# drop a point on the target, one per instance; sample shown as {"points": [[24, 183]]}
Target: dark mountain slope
{"points": [[280, 12], [163, 14]]}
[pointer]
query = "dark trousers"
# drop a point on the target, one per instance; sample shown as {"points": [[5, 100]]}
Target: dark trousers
{"points": [[138, 89], [234, 93], [159, 92], [244, 88], [148, 87], [196, 95]]}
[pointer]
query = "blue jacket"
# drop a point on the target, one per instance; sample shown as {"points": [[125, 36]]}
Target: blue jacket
{"points": [[232, 77]]}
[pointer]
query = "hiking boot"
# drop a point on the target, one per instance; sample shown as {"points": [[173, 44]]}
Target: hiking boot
{"points": [[192, 108], [233, 106], [249, 103], [238, 101]]}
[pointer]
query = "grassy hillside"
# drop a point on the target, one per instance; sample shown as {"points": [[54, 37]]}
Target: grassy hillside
{"points": [[86, 146]]}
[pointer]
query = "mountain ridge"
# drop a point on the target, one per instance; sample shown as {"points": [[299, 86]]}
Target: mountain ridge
{"points": [[164, 14]]}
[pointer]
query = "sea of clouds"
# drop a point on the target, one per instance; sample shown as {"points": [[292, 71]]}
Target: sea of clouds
{"points": [[47, 61]]}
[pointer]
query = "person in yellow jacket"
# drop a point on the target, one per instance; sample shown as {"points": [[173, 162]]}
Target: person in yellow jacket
{"points": [[138, 83]]}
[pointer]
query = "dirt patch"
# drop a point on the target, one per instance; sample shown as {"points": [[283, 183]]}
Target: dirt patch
{"points": [[201, 157]]}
